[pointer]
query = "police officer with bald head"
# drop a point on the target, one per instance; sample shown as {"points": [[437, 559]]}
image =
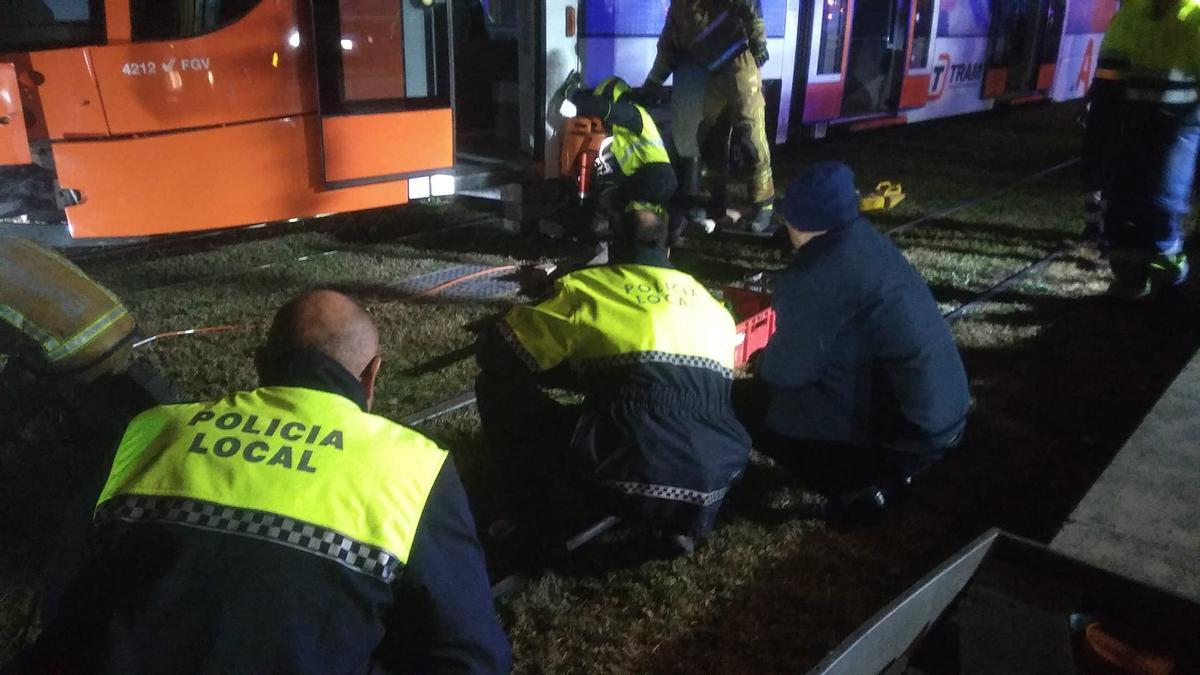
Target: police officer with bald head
{"points": [[283, 529]]}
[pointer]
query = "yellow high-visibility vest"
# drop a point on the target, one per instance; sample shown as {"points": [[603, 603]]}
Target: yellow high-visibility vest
{"points": [[616, 315], [633, 151], [1158, 58], [291, 466]]}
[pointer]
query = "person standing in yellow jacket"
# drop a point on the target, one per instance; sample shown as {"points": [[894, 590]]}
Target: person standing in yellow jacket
{"points": [[727, 38], [1152, 50]]}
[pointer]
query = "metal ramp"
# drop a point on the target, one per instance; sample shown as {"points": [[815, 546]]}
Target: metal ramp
{"points": [[1141, 518]]}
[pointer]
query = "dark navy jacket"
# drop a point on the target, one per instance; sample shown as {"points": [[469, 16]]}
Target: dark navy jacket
{"points": [[165, 598], [861, 353]]}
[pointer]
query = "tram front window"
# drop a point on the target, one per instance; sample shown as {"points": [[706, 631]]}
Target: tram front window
{"points": [[44, 24]]}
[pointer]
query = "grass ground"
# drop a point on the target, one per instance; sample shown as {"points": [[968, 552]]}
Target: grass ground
{"points": [[1060, 378]]}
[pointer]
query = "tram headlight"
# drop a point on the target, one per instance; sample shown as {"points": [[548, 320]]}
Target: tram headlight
{"points": [[418, 188], [441, 185]]}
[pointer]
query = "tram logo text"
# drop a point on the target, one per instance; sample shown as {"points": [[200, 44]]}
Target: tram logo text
{"points": [[954, 75]]}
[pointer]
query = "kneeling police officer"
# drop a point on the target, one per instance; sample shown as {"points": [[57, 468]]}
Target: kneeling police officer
{"points": [[636, 161], [655, 440]]}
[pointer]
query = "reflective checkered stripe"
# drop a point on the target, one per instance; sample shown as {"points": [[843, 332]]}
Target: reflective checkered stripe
{"points": [[639, 358], [518, 348], [668, 492], [269, 527]]}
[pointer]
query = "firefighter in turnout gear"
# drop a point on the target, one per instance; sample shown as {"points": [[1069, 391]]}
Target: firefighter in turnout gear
{"points": [[728, 38], [655, 441], [1152, 48], [635, 158], [282, 529]]}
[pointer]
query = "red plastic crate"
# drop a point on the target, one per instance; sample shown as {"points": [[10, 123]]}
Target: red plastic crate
{"points": [[756, 321]]}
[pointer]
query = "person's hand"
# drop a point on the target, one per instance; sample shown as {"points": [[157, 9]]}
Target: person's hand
{"points": [[649, 94], [761, 56]]}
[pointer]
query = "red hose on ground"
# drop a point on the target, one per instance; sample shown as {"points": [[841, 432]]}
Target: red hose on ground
{"points": [[464, 278]]}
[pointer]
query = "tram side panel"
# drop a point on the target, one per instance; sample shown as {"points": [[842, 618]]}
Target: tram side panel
{"points": [[958, 61], [1080, 51], [622, 38]]}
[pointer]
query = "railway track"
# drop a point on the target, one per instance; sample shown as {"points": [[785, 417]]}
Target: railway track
{"points": [[978, 301], [175, 243], [466, 399], [516, 581]]}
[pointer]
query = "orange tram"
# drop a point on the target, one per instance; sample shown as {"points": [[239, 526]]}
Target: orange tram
{"points": [[126, 118]]}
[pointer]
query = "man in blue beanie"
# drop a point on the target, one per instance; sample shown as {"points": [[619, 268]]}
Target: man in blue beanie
{"points": [[861, 387]]}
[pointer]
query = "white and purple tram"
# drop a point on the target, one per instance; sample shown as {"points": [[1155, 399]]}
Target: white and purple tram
{"points": [[877, 62], [851, 63]]}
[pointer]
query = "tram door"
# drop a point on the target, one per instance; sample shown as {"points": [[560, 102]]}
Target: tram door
{"points": [[875, 65], [1023, 43], [383, 70]]}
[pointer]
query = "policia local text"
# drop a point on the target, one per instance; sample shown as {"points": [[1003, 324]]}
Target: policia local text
{"points": [[261, 451]]}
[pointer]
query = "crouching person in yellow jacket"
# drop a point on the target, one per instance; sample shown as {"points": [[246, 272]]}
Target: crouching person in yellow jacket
{"points": [[655, 440], [635, 165]]}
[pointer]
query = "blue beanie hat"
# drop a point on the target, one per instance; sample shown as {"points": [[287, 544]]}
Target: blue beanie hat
{"points": [[821, 198]]}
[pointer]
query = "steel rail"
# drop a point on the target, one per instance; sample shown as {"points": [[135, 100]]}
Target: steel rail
{"points": [[473, 222], [991, 292], [904, 227]]}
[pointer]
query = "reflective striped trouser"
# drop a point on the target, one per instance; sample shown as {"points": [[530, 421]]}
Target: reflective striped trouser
{"points": [[1155, 170], [734, 97]]}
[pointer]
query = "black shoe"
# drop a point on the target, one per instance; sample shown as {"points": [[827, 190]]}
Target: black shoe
{"points": [[860, 508]]}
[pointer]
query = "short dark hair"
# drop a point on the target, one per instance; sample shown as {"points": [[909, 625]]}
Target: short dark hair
{"points": [[644, 226]]}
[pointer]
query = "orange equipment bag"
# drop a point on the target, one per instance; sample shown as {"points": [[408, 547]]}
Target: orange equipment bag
{"points": [[580, 134]]}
